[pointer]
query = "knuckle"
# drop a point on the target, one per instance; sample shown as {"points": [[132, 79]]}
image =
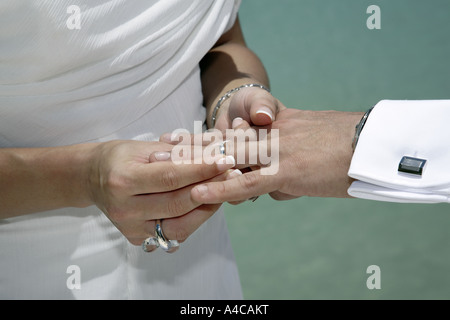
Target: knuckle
{"points": [[206, 171], [135, 233], [124, 215], [221, 188], [249, 181], [169, 178], [118, 215], [117, 183], [175, 207], [181, 234]]}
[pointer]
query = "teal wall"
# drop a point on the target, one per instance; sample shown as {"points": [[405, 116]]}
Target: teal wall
{"points": [[320, 55]]}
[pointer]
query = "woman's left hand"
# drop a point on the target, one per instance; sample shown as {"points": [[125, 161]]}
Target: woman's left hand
{"points": [[253, 105]]}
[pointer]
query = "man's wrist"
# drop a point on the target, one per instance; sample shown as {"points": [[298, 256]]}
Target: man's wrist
{"points": [[359, 127]]}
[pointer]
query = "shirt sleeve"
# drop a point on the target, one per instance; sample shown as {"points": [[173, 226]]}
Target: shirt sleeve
{"points": [[403, 153]]}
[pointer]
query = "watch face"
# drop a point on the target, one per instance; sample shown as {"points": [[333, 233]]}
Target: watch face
{"points": [[412, 165]]}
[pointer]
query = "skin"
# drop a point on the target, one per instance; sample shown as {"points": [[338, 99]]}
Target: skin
{"points": [[229, 65], [123, 178], [113, 176], [315, 150]]}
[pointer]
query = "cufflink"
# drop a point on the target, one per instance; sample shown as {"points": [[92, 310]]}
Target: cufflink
{"points": [[412, 165]]}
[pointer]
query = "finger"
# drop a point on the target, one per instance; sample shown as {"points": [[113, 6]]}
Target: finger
{"points": [[175, 137], [187, 154], [235, 203], [238, 189], [170, 204], [250, 144], [201, 139], [136, 231], [164, 205], [178, 228], [249, 152], [159, 156], [239, 123], [181, 228], [259, 106], [167, 175], [190, 147], [234, 174], [196, 147]]}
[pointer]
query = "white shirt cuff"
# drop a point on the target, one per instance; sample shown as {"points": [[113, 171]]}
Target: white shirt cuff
{"points": [[394, 129]]}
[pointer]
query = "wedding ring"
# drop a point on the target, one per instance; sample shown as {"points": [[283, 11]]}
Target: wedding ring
{"points": [[150, 244], [165, 244], [222, 148]]}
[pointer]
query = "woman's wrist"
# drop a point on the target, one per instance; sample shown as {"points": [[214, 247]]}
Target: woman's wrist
{"points": [[213, 101], [227, 96], [67, 171], [84, 167]]}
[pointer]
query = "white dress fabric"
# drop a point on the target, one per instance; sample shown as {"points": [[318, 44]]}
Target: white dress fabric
{"points": [[398, 128], [129, 72]]}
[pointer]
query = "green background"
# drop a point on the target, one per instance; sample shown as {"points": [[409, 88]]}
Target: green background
{"points": [[320, 55]]}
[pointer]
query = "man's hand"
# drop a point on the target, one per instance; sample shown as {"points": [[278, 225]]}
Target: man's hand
{"points": [[315, 150]]}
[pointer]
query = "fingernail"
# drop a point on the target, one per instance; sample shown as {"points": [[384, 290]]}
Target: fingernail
{"points": [[234, 174], [166, 137], [226, 163], [162, 156], [202, 189], [265, 111], [236, 122]]}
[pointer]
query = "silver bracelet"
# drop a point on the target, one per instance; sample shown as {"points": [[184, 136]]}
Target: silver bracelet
{"points": [[359, 128], [228, 95]]}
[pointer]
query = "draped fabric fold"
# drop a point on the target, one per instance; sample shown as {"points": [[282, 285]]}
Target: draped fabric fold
{"points": [[124, 60], [130, 72]]}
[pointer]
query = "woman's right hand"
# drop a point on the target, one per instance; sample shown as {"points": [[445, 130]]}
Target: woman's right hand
{"points": [[133, 191], [123, 178]]}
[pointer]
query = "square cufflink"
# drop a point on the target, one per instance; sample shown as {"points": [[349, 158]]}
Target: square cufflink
{"points": [[412, 165]]}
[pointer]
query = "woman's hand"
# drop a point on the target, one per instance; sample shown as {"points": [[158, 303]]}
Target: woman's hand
{"points": [[133, 191], [254, 105], [125, 179]]}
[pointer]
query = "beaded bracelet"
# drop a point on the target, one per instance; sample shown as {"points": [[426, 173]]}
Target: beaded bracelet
{"points": [[228, 95]]}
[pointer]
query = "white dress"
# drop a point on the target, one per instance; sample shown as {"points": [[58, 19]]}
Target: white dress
{"points": [[121, 69]]}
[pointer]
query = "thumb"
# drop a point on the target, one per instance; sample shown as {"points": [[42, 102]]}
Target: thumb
{"points": [[255, 105], [263, 110]]}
